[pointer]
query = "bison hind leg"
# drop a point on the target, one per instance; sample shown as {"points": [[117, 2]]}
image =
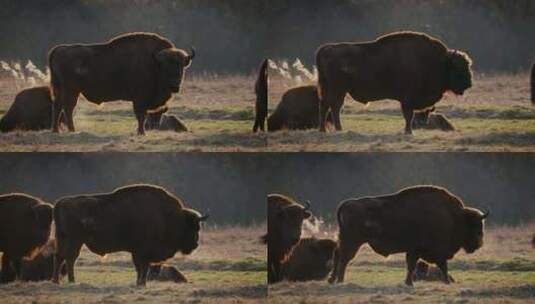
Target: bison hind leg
{"points": [[411, 259], [443, 266]]}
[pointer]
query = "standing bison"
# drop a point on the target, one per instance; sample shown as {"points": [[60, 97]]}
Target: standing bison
{"points": [[413, 68], [147, 221], [285, 218], [140, 67], [425, 222], [24, 227], [261, 91], [310, 259]]}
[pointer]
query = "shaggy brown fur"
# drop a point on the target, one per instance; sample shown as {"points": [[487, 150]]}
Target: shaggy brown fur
{"points": [[147, 221], [165, 273], [24, 228], [426, 272], [261, 91], [31, 110], [413, 68], [428, 119], [310, 259], [297, 110], [394, 223], [285, 217], [143, 68]]}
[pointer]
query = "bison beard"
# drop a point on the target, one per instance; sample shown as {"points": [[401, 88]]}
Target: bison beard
{"points": [[285, 217], [145, 220], [310, 259], [394, 224], [24, 227], [413, 68], [261, 91], [143, 68]]}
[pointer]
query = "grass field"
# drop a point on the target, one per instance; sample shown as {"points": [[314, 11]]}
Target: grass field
{"points": [[503, 271], [219, 111], [228, 267], [494, 115]]}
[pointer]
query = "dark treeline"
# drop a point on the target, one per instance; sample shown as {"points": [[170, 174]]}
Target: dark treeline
{"points": [[230, 186], [232, 35]]}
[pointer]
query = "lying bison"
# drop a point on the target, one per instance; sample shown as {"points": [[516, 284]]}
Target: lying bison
{"points": [[310, 259], [143, 68], [165, 273], [425, 222], [31, 110], [285, 217], [145, 220], [163, 122], [24, 227], [297, 110], [413, 68], [426, 272], [429, 119], [261, 91]]}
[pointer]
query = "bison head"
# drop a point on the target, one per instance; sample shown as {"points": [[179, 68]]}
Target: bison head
{"points": [[190, 239], [474, 222], [459, 72], [172, 63], [291, 219]]}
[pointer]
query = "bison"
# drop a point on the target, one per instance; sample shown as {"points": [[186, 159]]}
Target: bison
{"points": [[310, 259], [165, 273], [412, 68], [24, 228], [145, 220], [31, 110], [429, 119], [533, 84], [285, 218], [426, 272], [297, 110], [261, 91], [164, 122], [425, 222], [143, 68]]}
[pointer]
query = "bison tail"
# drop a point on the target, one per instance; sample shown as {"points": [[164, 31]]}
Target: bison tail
{"points": [[533, 84]]}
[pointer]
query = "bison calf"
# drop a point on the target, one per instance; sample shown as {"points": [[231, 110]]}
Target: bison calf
{"points": [[147, 221], [310, 259], [285, 218], [24, 227], [165, 273], [425, 222], [261, 91], [31, 110]]}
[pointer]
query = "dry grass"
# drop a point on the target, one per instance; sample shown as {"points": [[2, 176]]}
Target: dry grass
{"points": [[228, 267], [495, 115], [503, 271]]}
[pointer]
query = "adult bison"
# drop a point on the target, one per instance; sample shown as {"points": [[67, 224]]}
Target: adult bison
{"points": [[24, 227], [143, 68], [410, 67], [261, 91], [285, 218], [310, 259], [145, 220], [31, 110], [164, 122], [425, 222], [297, 110]]}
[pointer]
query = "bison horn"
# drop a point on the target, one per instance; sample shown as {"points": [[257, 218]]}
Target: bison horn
{"points": [[204, 217], [307, 205], [192, 53]]}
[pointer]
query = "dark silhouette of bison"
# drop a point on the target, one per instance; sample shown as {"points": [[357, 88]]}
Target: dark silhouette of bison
{"points": [[285, 218], [532, 80], [163, 122], [310, 259], [144, 68], [297, 110], [429, 119], [30, 111], [24, 228], [165, 273], [410, 67], [145, 220], [426, 272], [425, 222], [261, 91]]}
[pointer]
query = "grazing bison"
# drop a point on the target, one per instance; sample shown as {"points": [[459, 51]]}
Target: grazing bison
{"points": [[413, 68], [145, 220], [533, 84], [285, 217], [143, 68], [24, 227], [310, 259], [297, 110], [426, 272], [31, 110], [165, 273], [428, 119], [261, 91], [425, 222], [164, 122]]}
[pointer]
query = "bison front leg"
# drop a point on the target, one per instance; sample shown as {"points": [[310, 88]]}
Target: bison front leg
{"points": [[142, 269], [346, 252], [443, 266], [411, 259], [408, 114], [140, 116]]}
